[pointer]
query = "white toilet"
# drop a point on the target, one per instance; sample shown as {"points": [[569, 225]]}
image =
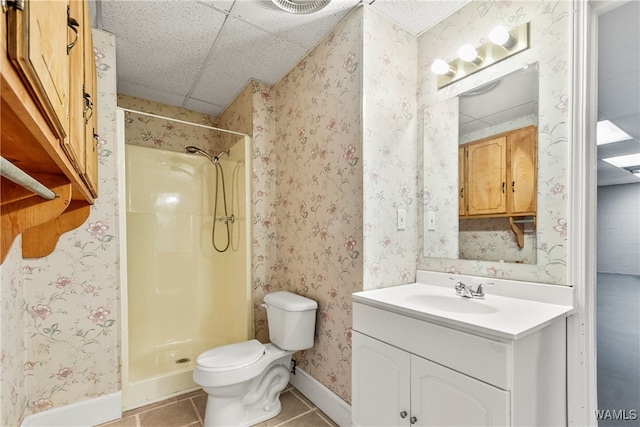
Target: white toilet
{"points": [[244, 380]]}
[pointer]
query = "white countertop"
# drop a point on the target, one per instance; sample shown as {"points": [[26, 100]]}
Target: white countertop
{"points": [[497, 315]]}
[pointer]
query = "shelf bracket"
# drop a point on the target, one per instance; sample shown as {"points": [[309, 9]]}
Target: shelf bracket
{"points": [[518, 230], [41, 240], [21, 209]]}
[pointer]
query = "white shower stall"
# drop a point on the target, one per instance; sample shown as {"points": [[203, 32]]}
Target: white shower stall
{"points": [[181, 295]]}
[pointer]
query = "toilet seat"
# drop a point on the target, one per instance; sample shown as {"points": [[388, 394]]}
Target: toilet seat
{"points": [[232, 356]]}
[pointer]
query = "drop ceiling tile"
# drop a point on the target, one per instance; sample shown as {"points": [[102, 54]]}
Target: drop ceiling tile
{"points": [[161, 44], [304, 30], [612, 175], [619, 96], [513, 113], [630, 123], [416, 16], [621, 148], [220, 4], [194, 104], [473, 126], [241, 53], [619, 41], [150, 93]]}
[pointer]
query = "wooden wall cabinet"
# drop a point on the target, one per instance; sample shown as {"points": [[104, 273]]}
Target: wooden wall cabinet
{"points": [[48, 119], [497, 177]]}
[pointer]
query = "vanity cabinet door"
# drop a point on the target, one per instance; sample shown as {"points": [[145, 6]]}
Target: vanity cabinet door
{"points": [[522, 171], [486, 177], [381, 384], [444, 397]]}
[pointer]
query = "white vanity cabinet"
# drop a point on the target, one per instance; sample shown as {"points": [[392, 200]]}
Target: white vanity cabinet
{"points": [[409, 370], [394, 387]]}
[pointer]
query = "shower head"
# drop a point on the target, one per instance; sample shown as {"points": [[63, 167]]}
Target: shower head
{"points": [[195, 150]]}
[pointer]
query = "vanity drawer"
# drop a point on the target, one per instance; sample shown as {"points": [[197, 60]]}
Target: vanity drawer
{"points": [[481, 358]]}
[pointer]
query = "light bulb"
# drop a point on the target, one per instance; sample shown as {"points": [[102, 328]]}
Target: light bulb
{"points": [[500, 36], [440, 67], [467, 53]]}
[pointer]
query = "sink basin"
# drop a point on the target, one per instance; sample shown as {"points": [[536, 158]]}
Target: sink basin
{"points": [[511, 309], [452, 304]]}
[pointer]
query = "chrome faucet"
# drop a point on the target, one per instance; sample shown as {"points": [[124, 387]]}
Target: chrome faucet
{"points": [[467, 291]]}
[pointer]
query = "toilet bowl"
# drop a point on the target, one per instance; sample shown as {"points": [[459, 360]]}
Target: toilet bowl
{"points": [[244, 380]]}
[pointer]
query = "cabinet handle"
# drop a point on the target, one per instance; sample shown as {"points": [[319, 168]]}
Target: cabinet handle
{"points": [[504, 186], [413, 420], [73, 24], [403, 414], [88, 106], [462, 193], [513, 186]]}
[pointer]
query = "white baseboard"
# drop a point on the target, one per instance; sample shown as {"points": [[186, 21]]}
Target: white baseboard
{"points": [[86, 413], [327, 401]]}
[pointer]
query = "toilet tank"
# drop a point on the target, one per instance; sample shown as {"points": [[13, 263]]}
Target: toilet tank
{"points": [[291, 319]]}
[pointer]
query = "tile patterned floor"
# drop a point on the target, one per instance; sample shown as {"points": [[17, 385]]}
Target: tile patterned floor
{"points": [[188, 410]]}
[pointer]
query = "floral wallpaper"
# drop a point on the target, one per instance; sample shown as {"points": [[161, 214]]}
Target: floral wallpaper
{"points": [[60, 341], [155, 132], [253, 112], [492, 239], [440, 190], [550, 23], [319, 205], [389, 152], [13, 397]]}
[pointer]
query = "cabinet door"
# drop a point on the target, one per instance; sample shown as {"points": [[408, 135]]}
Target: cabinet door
{"points": [[462, 201], [522, 171], [486, 177], [444, 397], [74, 144], [380, 391], [90, 120], [37, 45]]}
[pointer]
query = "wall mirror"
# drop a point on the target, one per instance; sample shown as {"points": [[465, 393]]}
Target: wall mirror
{"points": [[489, 119], [486, 119]]}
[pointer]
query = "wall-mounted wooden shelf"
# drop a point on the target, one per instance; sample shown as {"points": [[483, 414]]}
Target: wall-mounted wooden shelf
{"points": [[22, 210]]}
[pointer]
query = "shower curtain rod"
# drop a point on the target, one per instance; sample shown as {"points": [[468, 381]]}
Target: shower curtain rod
{"points": [[180, 121]]}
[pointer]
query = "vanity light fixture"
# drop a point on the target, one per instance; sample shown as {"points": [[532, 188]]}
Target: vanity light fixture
{"points": [[442, 68], [501, 37], [470, 54], [502, 44], [301, 6]]}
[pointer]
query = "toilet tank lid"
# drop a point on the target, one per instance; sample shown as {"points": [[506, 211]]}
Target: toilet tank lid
{"points": [[289, 301]]}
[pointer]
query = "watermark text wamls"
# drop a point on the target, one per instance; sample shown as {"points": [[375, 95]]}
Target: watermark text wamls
{"points": [[616, 414]]}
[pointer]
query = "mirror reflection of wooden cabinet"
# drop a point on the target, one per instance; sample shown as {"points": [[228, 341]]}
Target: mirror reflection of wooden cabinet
{"points": [[497, 175], [522, 171], [462, 164], [486, 176]]}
